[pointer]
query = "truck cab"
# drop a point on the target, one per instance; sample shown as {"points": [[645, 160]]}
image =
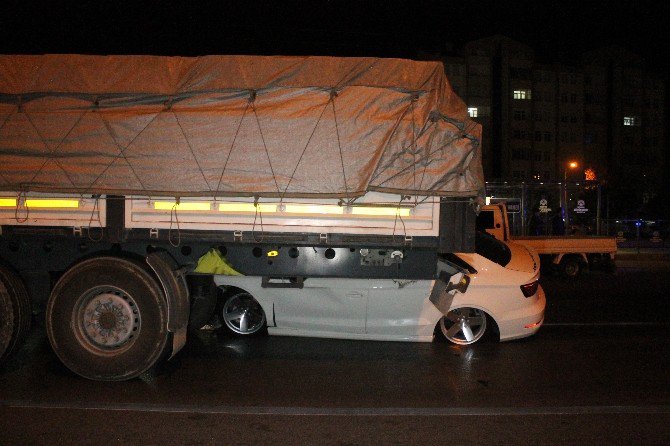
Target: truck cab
{"points": [[493, 219], [569, 255]]}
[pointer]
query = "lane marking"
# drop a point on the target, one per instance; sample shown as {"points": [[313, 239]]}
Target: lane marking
{"points": [[342, 411], [606, 324]]}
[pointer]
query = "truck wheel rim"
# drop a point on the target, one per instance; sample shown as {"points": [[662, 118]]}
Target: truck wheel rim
{"points": [[464, 326], [108, 317], [243, 314]]}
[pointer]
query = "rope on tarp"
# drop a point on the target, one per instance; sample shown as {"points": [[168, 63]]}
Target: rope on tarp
{"points": [[9, 115], [53, 151], [96, 206], [188, 143], [21, 200], [258, 213], [295, 169], [415, 98], [333, 95], [232, 146], [174, 217], [252, 101], [395, 221], [121, 153], [396, 125], [411, 109], [426, 158]]}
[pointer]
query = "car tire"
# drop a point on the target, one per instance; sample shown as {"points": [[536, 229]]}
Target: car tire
{"points": [[464, 326], [106, 319], [571, 267], [242, 315], [15, 312]]}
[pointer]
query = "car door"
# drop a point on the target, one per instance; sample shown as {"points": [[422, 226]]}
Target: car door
{"points": [[323, 305], [401, 308]]}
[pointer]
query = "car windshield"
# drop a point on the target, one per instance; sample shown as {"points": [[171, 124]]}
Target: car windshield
{"points": [[493, 249]]}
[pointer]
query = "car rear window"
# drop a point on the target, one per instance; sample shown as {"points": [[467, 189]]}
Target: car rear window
{"points": [[491, 248]]}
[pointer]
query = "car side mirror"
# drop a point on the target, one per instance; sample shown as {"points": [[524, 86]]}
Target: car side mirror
{"points": [[458, 282]]}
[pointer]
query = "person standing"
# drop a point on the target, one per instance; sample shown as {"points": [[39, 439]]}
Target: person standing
{"points": [[557, 223]]}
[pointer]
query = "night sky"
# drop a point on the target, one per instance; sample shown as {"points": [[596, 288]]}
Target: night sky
{"points": [[558, 31]]}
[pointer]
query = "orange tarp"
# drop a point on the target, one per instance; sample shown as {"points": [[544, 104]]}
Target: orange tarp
{"points": [[234, 126]]}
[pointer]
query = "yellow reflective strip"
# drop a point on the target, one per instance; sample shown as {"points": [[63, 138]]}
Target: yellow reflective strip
{"points": [[380, 211], [273, 253], [8, 202], [313, 209], [246, 207], [51, 203], [193, 206]]}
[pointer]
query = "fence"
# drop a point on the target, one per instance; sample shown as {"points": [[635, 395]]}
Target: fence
{"points": [[640, 234], [537, 207]]}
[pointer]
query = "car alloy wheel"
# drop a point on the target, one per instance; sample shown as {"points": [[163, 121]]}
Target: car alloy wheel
{"points": [[242, 314], [464, 326]]}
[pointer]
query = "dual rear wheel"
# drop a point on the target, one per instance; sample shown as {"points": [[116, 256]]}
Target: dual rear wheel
{"points": [[15, 312], [106, 319]]}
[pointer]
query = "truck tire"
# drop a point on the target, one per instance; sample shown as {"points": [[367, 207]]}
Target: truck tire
{"points": [[571, 266], [15, 313], [6, 323], [106, 319]]}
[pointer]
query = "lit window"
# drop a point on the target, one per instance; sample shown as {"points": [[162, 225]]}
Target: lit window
{"points": [[631, 120], [521, 94], [472, 112]]}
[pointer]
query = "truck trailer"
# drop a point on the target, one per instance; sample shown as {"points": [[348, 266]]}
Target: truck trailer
{"points": [[118, 173]]}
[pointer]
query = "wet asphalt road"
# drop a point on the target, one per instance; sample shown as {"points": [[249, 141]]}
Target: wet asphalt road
{"points": [[597, 372]]}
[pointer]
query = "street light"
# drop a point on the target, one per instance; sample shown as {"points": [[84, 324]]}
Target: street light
{"points": [[571, 165]]}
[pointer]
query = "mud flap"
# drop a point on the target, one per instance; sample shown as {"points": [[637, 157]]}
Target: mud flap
{"points": [[173, 281], [450, 280]]}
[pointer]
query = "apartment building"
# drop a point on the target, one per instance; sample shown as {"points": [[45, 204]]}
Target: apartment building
{"points": [[606, 114]]}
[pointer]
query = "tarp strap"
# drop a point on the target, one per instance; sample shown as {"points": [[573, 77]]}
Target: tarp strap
{"points": [[54, 151], [426, 126], [174, 217], [397, 215], [295, 169], [96, 206], [252, 101], [413, 143], [9, 115], [426, 158], [188, 143], [21, 200], [333, 95], [258, 213], [232, 146], [396, 125], [121, 153]]}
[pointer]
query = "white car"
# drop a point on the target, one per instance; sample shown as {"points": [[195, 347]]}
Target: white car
{"points": [[503, 296]]}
